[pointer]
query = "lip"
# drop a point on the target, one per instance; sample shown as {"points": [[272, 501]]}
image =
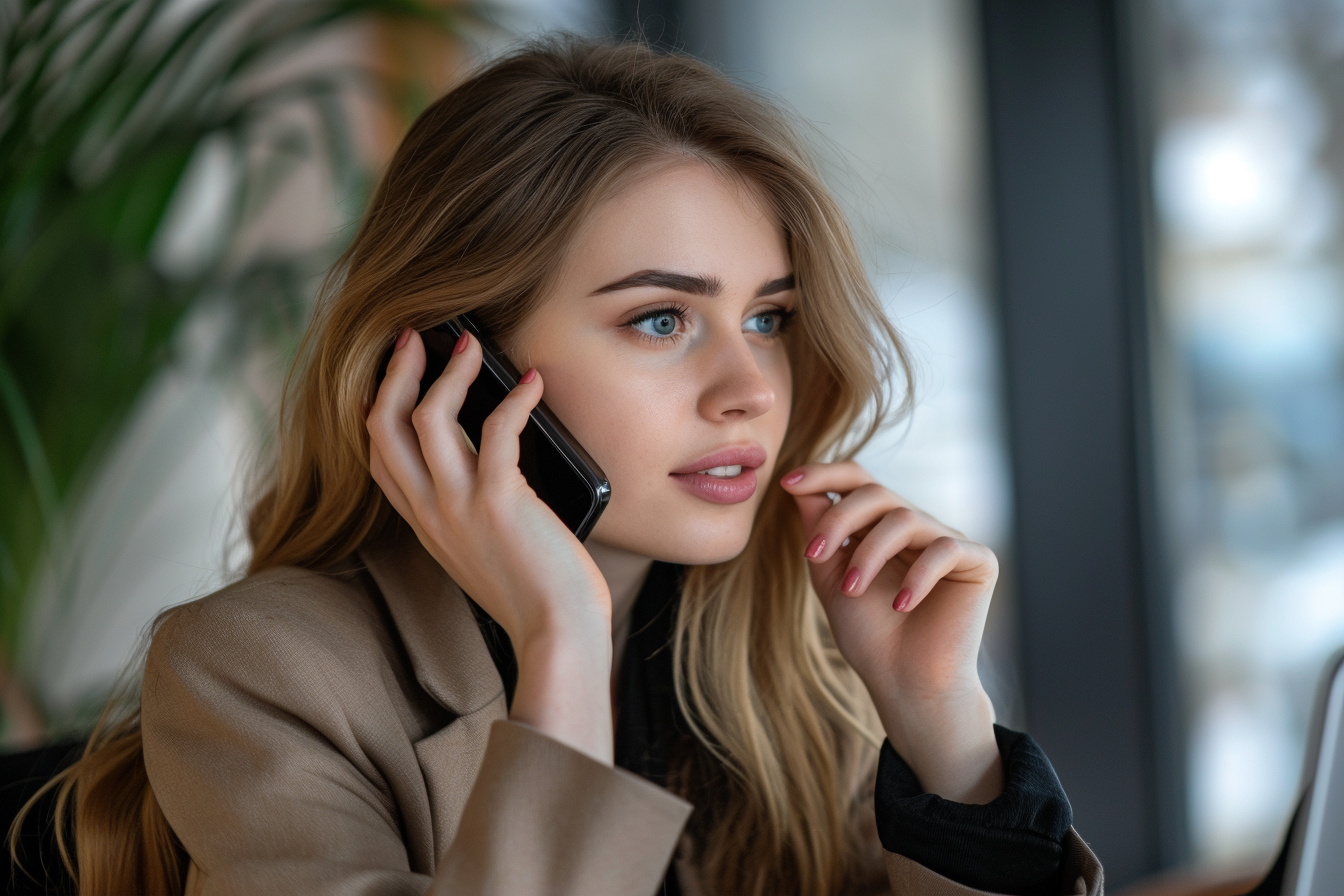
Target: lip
{"points": [[751, 455], [718, 490]]}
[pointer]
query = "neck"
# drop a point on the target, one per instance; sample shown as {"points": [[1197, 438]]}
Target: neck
{"points": [[624, 572]]}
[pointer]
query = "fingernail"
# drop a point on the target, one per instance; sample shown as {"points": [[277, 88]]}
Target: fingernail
{"points": [[902, 600], [461, 343], [529, 376], [403, 338], [851, 581], [815, 548], [793, 478]]}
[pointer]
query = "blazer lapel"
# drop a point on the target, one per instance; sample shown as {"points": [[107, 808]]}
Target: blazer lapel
{"points": [[434, 621], [451, 662]]}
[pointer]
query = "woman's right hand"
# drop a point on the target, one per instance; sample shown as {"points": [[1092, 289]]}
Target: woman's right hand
{"points": [[478, 517]]}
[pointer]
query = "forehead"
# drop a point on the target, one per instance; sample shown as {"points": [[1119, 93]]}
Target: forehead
{"points": [[684, 216]]}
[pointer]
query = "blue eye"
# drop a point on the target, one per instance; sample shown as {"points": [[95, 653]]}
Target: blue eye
{"points": [[658, 324], [769, 323], [662, 325]]}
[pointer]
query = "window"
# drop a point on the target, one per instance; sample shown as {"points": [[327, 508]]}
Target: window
{"points": [[889, 95], [1247, 161]]}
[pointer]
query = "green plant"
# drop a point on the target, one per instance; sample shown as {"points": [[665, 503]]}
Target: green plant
{"points": [[104, 105]]}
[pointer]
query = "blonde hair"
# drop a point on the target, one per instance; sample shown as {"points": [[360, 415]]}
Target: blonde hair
{"points": [[474, 213]]}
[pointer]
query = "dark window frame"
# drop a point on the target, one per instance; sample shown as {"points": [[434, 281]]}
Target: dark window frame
{"points": [[1068, 150]]}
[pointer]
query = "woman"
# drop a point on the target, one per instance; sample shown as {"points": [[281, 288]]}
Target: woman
{"points": [[649, 243]]}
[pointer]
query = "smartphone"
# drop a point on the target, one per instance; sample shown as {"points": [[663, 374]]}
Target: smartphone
{"points": [[557, 467]]}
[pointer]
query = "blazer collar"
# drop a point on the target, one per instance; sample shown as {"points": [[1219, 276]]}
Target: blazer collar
{"points": [[433, 619]]}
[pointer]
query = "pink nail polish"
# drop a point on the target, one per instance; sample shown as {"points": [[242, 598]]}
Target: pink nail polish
{"points": [[815, 548], [461, 344], [851, 581], [793, 478], [529, 376], [403, 338], [902, 601]]}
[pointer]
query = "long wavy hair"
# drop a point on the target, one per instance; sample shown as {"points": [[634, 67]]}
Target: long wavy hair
{"points": [[474, 213]]}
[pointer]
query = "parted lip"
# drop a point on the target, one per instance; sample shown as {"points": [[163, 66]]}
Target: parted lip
{"points": [[751, 455]]}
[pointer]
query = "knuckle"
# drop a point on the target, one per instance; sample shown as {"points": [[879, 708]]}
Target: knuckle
{"points": [[382, 427], [496, 423], [945, 544], [375, 424], [865, 555], [837, 519], [902, 516], [421, 417], [871, 491], [989, 558]]}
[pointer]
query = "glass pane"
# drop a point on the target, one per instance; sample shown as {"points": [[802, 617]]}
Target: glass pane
{"points": [[1249, 156]]}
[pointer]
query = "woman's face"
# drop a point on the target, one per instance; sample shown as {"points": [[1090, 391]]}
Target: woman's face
{"points": [[660, 350]]}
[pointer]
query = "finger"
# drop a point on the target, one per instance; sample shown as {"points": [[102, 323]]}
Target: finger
{"points": [[898, 530], [500, 432], [944, 557], [449, 459], [811, 508], [842, 477], [389, 422], [826, 573], [401, 382], [861, 508], [383, 477]]}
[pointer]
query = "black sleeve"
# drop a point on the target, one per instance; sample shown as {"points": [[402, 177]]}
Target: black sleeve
{"points": [[1012, 845]]}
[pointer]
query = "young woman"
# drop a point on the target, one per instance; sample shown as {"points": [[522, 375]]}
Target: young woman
{"points": [[735, 685]]}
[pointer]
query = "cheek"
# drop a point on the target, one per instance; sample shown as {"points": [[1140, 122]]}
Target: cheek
{"points": [[780, 374], [622, 419], [641, 423]]}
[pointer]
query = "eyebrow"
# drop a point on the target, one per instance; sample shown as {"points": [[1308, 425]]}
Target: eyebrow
{"points": [[689, 283]]}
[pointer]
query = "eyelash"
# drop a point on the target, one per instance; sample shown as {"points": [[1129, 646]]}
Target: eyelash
{"points": [[680, 311]]}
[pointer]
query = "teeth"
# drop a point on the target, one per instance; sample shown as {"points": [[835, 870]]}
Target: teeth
{"points": [[725, 472]]}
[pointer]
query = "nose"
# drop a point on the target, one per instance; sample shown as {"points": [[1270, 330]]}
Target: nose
{"points": [[734, 386]]}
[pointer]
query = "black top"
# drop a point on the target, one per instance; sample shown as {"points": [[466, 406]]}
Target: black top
{"points": [[1012, 845]]}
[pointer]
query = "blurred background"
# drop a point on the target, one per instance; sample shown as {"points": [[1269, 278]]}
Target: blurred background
{"points": [[1109, 229]]}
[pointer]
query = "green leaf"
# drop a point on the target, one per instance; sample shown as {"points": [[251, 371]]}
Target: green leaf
{"points": [[103, 104]]}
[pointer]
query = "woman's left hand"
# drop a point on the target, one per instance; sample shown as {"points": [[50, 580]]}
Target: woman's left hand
{"points": [[907, 598]]}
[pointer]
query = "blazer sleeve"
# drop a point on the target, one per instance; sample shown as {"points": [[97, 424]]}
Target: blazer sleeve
{"points": [[1081, 874], [269, 760], [1021, 843]]}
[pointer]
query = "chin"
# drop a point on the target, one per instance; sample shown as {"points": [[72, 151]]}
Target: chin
{"points": [[691, 554], [690, 539]]}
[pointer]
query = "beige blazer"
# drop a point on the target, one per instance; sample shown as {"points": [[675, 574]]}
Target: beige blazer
{"points": [[348, 734]]}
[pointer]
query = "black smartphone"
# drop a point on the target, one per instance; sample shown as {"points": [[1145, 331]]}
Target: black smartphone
{"points": [[553, 463]]}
